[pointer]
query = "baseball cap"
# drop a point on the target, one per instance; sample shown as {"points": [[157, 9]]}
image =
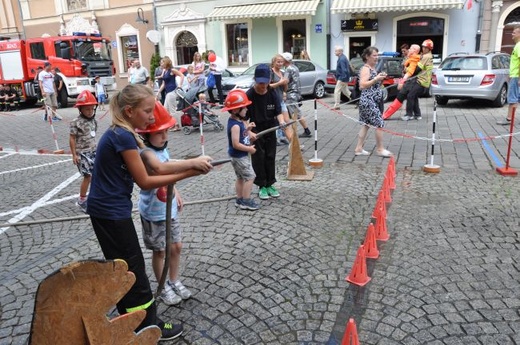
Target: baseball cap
{"points": [[46, 64], [262, 73], [287, 56]]}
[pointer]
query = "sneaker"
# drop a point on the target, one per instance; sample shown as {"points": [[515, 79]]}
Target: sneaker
{"points": [[179, 289], [238, 202], [284, 141], [262, 193], [335, 107], [169, 296], [306, 134], [169, 330], [249, 204], [56, 118], [418, 117], [44, 117], [272, 191], [406, 118], [505, 122], [82, 205]]}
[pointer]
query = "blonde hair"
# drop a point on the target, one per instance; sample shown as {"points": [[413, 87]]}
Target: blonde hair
{"points": [[277, 56], [167, 63], [131, 96]]}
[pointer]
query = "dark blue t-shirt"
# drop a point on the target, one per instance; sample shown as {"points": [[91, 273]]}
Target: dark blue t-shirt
{"points": [[170, 84], [110, 195], [243, 139]]}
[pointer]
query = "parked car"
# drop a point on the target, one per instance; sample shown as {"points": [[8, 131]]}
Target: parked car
{"points": [[478, 76], [390, 63], [312, 78]]}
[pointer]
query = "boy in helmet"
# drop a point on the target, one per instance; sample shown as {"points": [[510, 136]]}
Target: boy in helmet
{"points": [[82, 141], [152, 203], [239, 148]]}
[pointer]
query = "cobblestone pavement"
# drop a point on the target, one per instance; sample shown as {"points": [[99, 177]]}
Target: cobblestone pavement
{"points": [[449, 274]]}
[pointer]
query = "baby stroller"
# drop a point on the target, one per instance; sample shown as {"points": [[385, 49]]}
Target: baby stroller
{"points": [[190, 112]]}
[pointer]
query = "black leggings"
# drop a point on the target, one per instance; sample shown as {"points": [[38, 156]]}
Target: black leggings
{"points": [[118, 240]]}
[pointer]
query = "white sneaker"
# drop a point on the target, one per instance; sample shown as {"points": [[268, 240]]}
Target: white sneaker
{"points": [[169, 296], [179, 289]]}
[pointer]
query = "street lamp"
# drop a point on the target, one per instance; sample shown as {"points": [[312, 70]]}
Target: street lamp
{"points": [[140, 16]]}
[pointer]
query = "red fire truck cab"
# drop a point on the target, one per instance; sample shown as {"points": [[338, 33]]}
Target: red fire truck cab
{"points": [[79, 57]]}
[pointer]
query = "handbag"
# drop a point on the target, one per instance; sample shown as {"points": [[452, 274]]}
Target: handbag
{"points": [[210, 81]]}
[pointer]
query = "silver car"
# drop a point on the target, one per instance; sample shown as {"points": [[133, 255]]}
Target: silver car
{"points": [[312, 79], [479, 76]]}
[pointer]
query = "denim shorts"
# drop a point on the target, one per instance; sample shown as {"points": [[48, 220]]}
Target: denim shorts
{"points": [[513, 94]]}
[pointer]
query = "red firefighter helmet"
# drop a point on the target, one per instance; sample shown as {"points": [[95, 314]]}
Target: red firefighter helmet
{"points": [[236, 99], [163, 120], [85, 98], [428, 44]]}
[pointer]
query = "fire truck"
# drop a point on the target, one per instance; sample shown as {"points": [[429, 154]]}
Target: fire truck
{"points": [[80, 58]]}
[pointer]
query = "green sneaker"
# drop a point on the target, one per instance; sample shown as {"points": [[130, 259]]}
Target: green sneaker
{"points": [[273, 192], [262, 193]]}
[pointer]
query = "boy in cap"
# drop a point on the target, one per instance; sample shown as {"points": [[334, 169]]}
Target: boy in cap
{"points": [[266, 112]]}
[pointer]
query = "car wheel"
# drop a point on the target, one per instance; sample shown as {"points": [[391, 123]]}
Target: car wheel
{"points": [[319, 90], [501, 97], [441, 100]]}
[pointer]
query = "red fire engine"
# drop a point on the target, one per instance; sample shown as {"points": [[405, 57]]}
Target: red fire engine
{"points": [[79, 57]]}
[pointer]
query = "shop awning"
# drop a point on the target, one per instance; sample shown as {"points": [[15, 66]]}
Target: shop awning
{"points": [[363, 6], [266, 9]]}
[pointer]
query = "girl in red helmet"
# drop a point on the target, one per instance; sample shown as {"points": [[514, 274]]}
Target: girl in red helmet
{"points": [[82, 141], [239, 148]]}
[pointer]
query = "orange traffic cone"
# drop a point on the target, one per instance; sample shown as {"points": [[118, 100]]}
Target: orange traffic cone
{"points": [[391, 178], [391, 163], [350, 337], [380, 205], [358, 275], [386, 190], [370, 244], [381, 230]]}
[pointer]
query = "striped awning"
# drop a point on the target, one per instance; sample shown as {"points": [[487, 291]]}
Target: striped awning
{"points": [[266, 9], [363, 6]]}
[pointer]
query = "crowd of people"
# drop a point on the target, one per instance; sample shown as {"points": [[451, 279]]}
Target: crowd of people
{"points": [[134, 150]]}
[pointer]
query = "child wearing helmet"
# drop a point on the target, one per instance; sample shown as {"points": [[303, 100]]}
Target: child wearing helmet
{"points": [[82, 141], [152, 204], [239, 148]]}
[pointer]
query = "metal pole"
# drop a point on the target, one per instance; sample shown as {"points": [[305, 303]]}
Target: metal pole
{"points": [[432, 168]]}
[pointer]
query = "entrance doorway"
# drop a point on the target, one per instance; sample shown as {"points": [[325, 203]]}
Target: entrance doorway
{"points": [[357, 45], [417, 29], [186, 46], [294, 36], [511, 21]]}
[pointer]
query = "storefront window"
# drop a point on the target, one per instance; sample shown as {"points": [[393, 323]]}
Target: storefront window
{"points": [[237, 44], [130, 50]]}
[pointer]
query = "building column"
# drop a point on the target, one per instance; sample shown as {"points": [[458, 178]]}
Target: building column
{"points": [[495, 13]]}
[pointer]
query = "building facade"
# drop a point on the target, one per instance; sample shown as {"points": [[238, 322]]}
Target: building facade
{"points": [[246, 33]]}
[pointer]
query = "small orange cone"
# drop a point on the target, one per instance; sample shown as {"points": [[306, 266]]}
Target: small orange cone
{"points": [[390, 174], [350, 337], [371, 251], [386, 190], [358, 275], [391, 164], [380, 204], [381, 230]]}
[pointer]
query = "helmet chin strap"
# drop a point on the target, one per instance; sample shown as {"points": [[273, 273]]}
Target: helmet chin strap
{"points": [[149, 144]]}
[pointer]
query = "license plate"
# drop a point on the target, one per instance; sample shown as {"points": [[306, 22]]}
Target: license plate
{"points": [[458, 79]]}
